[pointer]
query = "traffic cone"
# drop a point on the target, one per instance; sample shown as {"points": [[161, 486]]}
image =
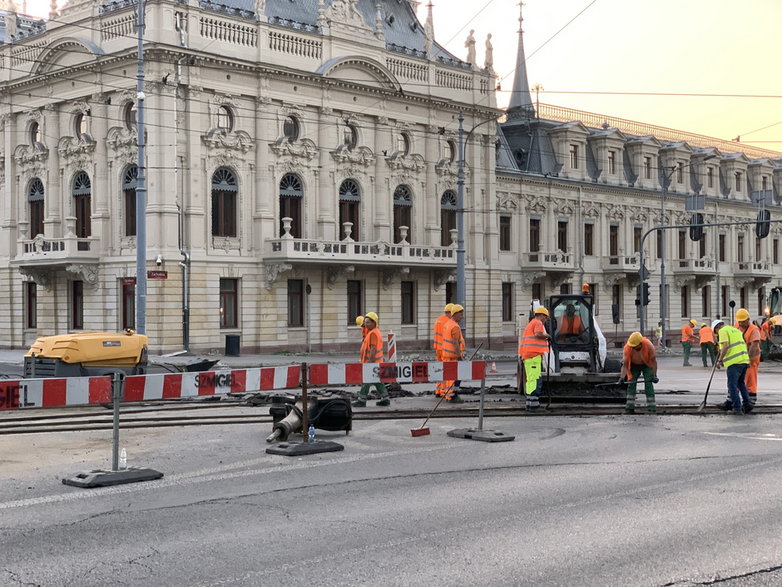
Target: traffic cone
{"points": [[493, 367]]}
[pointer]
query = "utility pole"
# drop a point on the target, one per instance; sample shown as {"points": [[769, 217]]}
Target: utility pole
{"points": [[460, 276], [141, 185]]}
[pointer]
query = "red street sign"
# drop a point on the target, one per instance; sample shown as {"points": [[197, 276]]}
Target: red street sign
{"points": [[157, 274], [128, 280]]}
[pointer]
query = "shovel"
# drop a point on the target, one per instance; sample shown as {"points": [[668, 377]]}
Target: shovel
{"points": [[708, 386], [423, 430]]}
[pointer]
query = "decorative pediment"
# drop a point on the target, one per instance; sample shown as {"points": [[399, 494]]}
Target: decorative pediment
{"points": [[233, 141], [616, 212], [303, 149], [76, 150], [362, 156], [563, 207], [399, 161], [639, 214], [590, 210], [31, 154], [535, 206], [507, 204]]}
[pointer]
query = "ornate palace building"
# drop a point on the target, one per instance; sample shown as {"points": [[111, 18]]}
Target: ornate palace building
{"points": [[301, 169]]}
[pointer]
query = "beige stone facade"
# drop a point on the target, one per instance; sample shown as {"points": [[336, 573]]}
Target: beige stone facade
{"points": [[348, 114]]}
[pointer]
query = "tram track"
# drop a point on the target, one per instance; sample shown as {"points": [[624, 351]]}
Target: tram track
{"points": [[146, 419]]}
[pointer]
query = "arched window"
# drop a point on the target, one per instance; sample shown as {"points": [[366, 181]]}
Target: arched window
{"points": [[35, 199], [129, 182], [291, 128], [82, 204], [447, 217], [291, 196], [403, 207], [349, 207], [224, 194], [225, 119]]}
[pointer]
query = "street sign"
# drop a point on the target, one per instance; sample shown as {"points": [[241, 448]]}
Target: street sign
{"points": [[128, 280], [157, 274]]}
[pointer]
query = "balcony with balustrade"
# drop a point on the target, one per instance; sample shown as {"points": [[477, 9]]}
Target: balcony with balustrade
{"points": [[556, 262], [762, 270], [46, 251], [703, 267], [288, 249], [629, 264]]}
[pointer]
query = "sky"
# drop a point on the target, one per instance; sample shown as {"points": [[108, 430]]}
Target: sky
{"points": [[710, 63], [713, 48]]}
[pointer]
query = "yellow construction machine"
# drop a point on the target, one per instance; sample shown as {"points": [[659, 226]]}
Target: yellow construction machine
{"points": [[87, 354]]}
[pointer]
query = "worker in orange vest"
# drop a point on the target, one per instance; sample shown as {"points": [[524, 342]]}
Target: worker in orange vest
{"points": [[534, 344], [640, 358], [752, 338], [439, 324], [765, 338], [570, 324], [372, 352], [453, 350], [360, 324], [688, 337], [708, 347]]}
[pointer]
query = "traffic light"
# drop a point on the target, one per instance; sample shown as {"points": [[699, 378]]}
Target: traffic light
{"points": [[645, 295], [763, 226], [696, 232]]}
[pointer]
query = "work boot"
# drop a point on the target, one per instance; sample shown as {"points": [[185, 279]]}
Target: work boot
{"points": [[359, 403], [747, 408], [726, 405], [384, 402], [455, 400]]}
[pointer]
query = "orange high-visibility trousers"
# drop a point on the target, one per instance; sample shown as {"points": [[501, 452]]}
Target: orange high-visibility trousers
{"points": [[751, 378]]}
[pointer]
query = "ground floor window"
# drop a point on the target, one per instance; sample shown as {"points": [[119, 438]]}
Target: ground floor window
{"points": [[229, 303], [408, 302], [77, 305], [355, 300], [128, 289], [507, 302], [296, 302], [450, 292], [31, 304]]}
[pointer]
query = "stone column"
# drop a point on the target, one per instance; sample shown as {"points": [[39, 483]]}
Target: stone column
{"points": [[384, 187], [428, 201], [54, 194], [327, 190], [102, 191], [264, 225]]}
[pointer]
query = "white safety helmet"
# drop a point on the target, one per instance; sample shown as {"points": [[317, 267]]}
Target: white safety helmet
{"points": [[716, 323]]}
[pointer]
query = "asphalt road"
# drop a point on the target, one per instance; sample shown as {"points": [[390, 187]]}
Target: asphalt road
{"points": [[638, 500]]}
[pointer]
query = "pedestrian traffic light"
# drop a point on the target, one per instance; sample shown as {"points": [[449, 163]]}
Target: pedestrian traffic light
{"points": [[763, 226], [645, 295], [696, 232]]}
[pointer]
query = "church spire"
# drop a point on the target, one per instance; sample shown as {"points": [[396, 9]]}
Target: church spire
{"points": [[520, 98]]}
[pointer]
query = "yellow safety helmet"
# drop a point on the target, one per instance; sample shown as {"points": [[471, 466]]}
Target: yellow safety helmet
{"points": [[359, 321], [541, 310], [741, 315], [635, 339], [448, 308], [455, 308], [703, 324], [693, 322], [372, 316], [773, 321]]}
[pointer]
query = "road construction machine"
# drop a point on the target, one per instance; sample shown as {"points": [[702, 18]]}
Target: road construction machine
{"points": [[578, 364], [86, 354]]}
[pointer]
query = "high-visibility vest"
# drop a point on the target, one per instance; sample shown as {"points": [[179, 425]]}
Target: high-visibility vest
{"points": [[531, 345], [439, 324], [571, 325], [737, 348], [364, 331], [706, 334], [687, 334], [373, 339], [647, 353], [765, 330], [453, 341]]}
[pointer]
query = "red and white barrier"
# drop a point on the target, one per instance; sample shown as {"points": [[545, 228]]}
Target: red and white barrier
{"points": [[74, 391], [391, 345], [358, 373]]}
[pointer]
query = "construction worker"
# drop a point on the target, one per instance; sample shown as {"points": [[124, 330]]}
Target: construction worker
{"points": [[688, 337], [585, 289], [706, 338], [453, 350], [639, 358], [751, 335], [439, 324], [765, 338], [372, 352], [534, 344], [570, 325], [734, 356], [360, 324]]}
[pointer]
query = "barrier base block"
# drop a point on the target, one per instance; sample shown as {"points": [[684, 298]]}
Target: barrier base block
{"points": [[482, 435], [101, 478], [296, 449]]}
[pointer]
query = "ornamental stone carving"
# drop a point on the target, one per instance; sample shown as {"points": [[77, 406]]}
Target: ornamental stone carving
{"points": [[274, 270], [122, 141], [234, 141], [361, 156], [345, 12], [40, 275], [616, 213], [304, 150], [87, 272], [590, 210], [76, 152], [563, 207], [535, 205], [31, 154], [399, 162]]}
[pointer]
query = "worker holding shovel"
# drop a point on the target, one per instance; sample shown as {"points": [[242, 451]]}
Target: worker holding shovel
{"points": [[534, 344], [640, 358]]}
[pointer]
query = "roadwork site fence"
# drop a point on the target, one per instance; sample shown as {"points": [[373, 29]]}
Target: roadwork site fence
{"points": [[83, 391]]}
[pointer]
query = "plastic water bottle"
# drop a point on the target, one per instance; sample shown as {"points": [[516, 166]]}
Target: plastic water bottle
{"points": [[123, 460], [311, 434]]}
